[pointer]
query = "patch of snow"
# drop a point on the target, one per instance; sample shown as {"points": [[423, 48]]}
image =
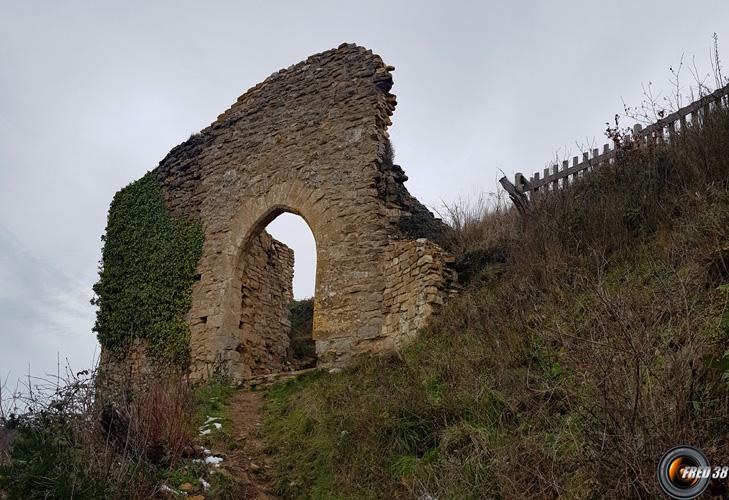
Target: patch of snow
{"points": [[166, 489], [213, 460], [205, 484], [209, 424]]}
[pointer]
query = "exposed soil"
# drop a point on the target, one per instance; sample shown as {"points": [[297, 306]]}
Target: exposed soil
{"points": [[249, 463]]}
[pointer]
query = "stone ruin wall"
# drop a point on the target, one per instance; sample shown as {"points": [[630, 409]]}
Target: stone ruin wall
{"points": [[264, 329], [311, 140], [119, 378], [419, 274], [266, 290]]}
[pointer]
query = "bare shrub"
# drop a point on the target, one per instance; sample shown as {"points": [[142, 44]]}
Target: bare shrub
{"points": [[156, 426], [656, 104], [67, 445]]}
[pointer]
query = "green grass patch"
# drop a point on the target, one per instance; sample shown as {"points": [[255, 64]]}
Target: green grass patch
{"points": [[212, 401]]}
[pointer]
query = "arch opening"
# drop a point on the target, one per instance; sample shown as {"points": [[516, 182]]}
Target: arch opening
{"points": [[277, 273]]}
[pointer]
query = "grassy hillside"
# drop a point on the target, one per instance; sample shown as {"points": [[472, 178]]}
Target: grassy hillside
{"points": [[590, 338]]}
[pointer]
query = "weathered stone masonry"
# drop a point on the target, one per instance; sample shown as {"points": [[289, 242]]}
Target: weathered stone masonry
{"points": [[266, 292], [312, 140]]}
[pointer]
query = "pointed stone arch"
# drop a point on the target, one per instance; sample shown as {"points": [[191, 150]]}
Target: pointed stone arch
{"points": [[312, 140]]}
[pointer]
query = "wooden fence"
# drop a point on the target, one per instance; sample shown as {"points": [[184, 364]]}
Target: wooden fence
{"points": [[663, 131]]}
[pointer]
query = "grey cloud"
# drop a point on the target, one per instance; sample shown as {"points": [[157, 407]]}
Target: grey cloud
{"points": [[44, 313]]}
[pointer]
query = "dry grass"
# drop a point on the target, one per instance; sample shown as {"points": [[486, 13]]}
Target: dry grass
{"points": [[485, 222], [161, 424], [67, 445], [587, 343]]}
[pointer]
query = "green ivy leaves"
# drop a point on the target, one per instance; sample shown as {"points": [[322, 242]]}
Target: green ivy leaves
{"points": [[147, 270]]}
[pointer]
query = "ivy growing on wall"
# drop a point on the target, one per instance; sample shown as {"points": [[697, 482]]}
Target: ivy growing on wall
{"points": [[147, 270]]}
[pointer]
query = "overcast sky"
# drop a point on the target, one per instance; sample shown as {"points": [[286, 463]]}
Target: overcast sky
{"points": [[94, 94]]}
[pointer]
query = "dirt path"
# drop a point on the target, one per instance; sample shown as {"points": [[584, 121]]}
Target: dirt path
{"points": [[248, 462]]}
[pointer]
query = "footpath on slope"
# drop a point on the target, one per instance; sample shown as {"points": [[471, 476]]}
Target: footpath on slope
{"points": [[248, 462]]}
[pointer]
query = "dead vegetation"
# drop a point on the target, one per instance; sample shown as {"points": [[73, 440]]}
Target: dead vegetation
{"points": [[59, 441], [587, 342]]}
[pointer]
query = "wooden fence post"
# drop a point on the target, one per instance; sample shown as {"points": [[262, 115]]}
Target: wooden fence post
{"points": [[520, 200], [672, 132], [637, 134]]}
